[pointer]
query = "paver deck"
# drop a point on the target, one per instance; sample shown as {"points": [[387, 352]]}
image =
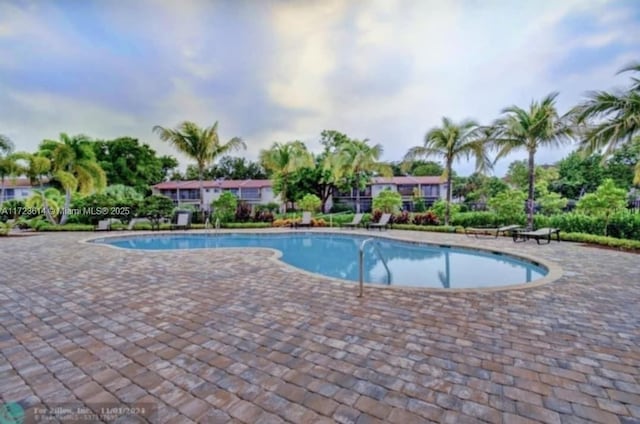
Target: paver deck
{"points": [[235, 336]]}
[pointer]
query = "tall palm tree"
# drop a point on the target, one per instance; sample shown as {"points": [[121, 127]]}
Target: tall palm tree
{"points": [[451, 142], [357, 161], [617, 116], [520, 129], [74, 166], [6, 166], [283, 159], [199, 144]]}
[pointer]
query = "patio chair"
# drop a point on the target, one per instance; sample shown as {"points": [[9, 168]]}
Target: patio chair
{"points": [[383, 223], [542, 233], [357, 221], [506, 230], [103, 225], [183, 221], [305, 221]]}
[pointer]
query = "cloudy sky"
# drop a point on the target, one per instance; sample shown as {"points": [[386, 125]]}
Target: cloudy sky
{"points": [[284, 70]]}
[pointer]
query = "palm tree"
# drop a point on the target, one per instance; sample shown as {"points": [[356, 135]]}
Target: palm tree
{"points": [[199, 144], [6, 165], [617, 115], [520, 129], [453, 142], [357, 161], [74, 166], [283, 159]]}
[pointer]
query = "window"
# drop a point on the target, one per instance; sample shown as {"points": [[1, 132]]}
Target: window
{"points": [[406, 189], [431, 190], [250, 193]]}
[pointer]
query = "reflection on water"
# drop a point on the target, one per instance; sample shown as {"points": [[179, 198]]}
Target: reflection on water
{"points": [[337, 256]]}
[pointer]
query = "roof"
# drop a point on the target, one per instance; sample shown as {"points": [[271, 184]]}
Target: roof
{"points": [[194, 184], [16, 182], [408, 180], [228, 184]]}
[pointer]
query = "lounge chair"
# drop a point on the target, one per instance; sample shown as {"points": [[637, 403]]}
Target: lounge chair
{"points": [[103, 225], [542, 233], [305, 221], [382, 223], [506, 230], [357, 220], [183, 221]]}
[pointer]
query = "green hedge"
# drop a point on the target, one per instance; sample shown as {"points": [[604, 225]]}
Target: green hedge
{"points": [[246, 225], [432, 228], [66, 227], [601, 240], [478, 219]]}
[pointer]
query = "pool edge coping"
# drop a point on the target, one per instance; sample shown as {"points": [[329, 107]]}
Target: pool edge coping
{"points": [[555, 271]]}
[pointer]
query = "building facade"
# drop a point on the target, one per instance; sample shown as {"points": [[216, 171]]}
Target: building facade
{"points": [[16, 189], [254, 192], [257, 192]]}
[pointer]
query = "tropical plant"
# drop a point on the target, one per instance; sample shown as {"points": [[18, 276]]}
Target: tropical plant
{"points": [[529, 130], [355, 162], [48, 201], [199, 144], [616, 115], [155, 207], [74, 167], [453, 142], [283, 160], [387, 201], [440, 208], [606, 200], [310, 202]]}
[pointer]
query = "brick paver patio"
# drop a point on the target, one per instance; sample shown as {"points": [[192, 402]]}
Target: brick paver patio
{"points": [[236, 336]]}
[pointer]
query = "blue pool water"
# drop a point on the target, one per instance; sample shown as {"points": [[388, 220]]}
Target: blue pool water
{"points": [[333, 255]]}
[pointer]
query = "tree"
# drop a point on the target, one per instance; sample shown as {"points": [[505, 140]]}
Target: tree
{"points": [[621, 165], [417, 168], [237, 168], [453, 142], [74, 167], [355, 162], [606, 200], [283, 160], [507, 205], [529, 130], [387, 201], [550, 203], [578, 174], [127, 162], [155, 207], [199, 144], [616, 115], [224, 207], [6, 165]]}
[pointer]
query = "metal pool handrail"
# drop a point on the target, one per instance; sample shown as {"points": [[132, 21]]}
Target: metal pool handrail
{"points": [[361, 263]]}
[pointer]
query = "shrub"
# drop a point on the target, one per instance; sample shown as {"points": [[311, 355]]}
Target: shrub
{"points": [[243, 212], [401, 218], [341, 207], [508, 206], [387, 201], [606, 200], [246, 225], [478, 219], [310, 202], [427, 218], [224, 207], [439, 208], [264, 215]]}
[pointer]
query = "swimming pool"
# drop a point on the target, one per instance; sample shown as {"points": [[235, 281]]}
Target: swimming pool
{"points": [[334, 255]]}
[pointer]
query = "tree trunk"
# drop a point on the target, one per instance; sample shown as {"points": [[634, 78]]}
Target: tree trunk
{"points": [[67, 204], [201, 188], [447, 211], [2, 191], [532, 181], [357, 192], [47, 211]]}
